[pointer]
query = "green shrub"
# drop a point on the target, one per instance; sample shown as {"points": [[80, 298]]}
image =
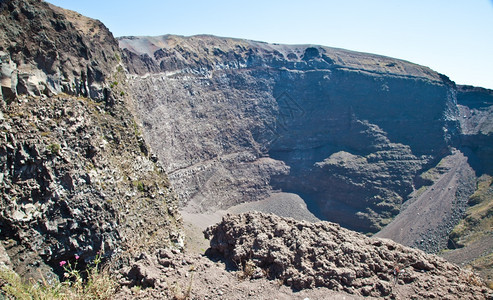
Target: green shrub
{"points": [[54, 148], [139, 185], [98, 285], [14, 287]]}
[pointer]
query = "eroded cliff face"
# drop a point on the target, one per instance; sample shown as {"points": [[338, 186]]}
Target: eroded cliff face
{"points": [[233, 120], [76, 176], [476, 118]]}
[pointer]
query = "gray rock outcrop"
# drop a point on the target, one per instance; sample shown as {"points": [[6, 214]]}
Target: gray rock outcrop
{"points": [[349, 135], [431, 213]]}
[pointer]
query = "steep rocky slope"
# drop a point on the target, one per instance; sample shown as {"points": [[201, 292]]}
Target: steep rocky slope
{"points": [[76, 176], [461, 180], [234, 120], [471, 241], [46, 50], [431, 213], [366, 141]]}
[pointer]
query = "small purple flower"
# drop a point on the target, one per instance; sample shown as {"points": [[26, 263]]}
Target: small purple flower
{"points": [[62, 263], [77, 256]]}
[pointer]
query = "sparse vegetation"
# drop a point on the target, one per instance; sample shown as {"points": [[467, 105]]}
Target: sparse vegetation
{"points": [[180, 293], [139, 185], [14, 287], [54, 148], [248, 269], [479, 216], [472, 279], [477, 226], [98, 285], [136, 128]]}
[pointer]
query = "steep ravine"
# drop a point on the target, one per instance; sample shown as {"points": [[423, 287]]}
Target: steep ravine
{"points": [[234, 120]]}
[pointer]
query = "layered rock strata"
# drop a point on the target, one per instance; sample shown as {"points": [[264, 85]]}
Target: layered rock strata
{"points": [[234, 120]]}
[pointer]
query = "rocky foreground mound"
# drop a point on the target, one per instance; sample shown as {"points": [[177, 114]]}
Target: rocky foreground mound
{"points": [[307, 255]]}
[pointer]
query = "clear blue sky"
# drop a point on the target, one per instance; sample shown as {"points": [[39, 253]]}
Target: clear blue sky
{"points": [[453, 37]]}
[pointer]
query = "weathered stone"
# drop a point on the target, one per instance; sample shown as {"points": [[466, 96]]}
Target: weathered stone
{"points": [[74, 58], [4, 258], [144, 273], [326, 255], [61, 194], [233, 121], [8, 77], [476, 118]]}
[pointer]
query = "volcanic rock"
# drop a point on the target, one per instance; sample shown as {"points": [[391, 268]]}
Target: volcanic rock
{"points": [[235, 120], [355, 135], [476, 119], [76, 177], [46, 50], [306, 255]]}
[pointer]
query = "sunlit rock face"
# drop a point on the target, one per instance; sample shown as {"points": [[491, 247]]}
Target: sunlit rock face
{"points": [[233, 120]]}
